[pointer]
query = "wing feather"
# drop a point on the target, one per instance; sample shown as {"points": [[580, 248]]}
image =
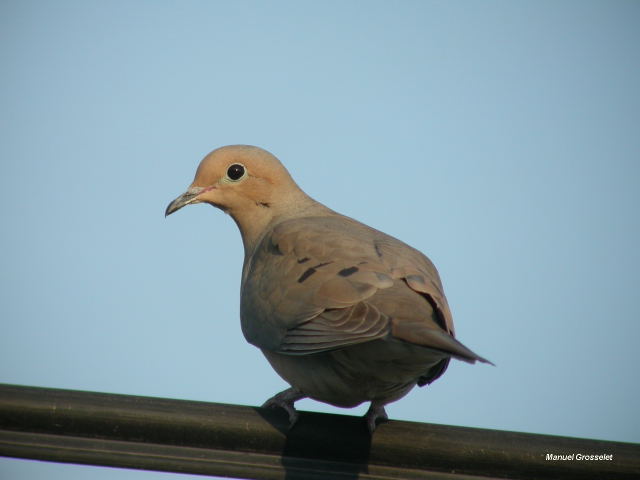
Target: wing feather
{"points": [[336, 328]]}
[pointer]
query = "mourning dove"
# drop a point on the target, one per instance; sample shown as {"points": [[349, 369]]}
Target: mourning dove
{"points": [[344, 313]]}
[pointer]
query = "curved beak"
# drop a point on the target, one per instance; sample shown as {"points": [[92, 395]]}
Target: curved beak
{"points": [[190, 196]]}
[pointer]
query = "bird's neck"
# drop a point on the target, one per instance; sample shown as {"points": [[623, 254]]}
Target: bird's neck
{"points": [[255, 222]]}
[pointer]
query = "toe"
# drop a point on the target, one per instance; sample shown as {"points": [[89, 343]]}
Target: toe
{"points": [[286, 400]]}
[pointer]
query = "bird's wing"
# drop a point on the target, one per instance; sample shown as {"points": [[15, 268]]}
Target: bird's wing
{"points": [[336, 328], [317, 284]]}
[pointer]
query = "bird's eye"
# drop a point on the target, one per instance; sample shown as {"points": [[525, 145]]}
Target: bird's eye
{"points": [[235, 171]]}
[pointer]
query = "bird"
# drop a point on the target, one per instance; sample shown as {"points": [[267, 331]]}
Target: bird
{"points": [[344, 313]]}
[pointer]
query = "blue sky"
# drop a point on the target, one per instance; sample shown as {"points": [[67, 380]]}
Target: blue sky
{"points": [[500, 138]]}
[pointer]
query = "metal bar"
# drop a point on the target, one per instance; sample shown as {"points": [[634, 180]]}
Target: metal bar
{"points": [[248, 442]]}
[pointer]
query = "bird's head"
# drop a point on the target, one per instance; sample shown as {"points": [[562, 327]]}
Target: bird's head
{"points": [[247, 182]]}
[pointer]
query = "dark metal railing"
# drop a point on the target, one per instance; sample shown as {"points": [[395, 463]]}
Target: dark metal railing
{"points": [[254, 443]]}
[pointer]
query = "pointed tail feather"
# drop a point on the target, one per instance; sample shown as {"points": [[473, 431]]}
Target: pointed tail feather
{"points": [[419, 334]]}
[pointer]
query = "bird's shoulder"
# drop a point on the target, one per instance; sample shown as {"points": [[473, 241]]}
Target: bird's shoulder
{"points": [[311, 250], [340, 238]]}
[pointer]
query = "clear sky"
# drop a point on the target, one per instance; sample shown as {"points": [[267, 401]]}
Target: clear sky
{"points": [[500, 138]]}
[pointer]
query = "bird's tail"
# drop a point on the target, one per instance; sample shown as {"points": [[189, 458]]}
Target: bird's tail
{"points": [[419, 334]]}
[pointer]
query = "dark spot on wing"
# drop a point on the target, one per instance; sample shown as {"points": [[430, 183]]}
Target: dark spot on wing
{"points": [[307, 273], [345, 272], [302, 260], [263, 204], [378, 250], [310, 271]]}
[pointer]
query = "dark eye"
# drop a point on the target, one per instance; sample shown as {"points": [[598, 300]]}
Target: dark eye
{"points": [[235, 171]]}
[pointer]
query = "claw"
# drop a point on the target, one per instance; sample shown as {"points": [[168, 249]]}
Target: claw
{"points": [[375, 414], [285, 400]]}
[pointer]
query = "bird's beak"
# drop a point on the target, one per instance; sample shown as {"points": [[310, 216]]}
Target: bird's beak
{"points": [[190, 196]]}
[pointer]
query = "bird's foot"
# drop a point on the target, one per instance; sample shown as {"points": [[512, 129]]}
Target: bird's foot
{"points": [[285, 400], [375, 414]]}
